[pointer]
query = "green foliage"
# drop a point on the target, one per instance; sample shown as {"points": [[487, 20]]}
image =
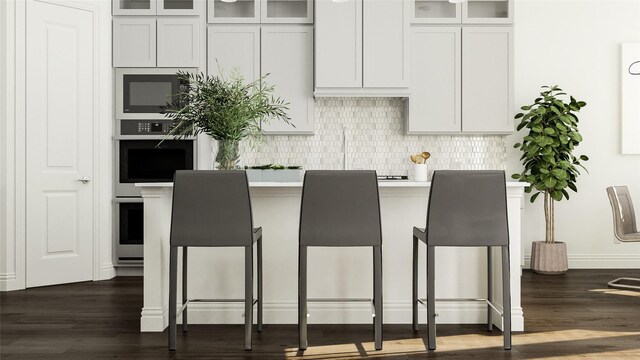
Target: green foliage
{"points": [[225, 108], [550, 167]]}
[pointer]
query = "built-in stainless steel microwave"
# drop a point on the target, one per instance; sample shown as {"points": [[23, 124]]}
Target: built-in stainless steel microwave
{"points": [[141, 93]]}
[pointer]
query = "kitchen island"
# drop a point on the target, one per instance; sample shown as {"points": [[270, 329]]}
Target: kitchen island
{"points": [[333, 272]]}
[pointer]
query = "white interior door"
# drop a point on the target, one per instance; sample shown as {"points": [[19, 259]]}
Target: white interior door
{"points": [[59, 144]]}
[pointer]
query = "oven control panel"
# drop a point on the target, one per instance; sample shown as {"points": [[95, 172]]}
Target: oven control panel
{"points": [[145, 127]]}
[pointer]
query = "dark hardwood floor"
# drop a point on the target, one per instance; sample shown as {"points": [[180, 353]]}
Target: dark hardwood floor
{"points": [[568, 316]]}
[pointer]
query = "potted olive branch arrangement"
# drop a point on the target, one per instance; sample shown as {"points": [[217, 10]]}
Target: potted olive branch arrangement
{"points": [[227, 109], [550, 167]]}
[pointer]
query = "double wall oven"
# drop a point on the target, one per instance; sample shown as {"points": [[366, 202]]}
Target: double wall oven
{"points": [[142, 151]]}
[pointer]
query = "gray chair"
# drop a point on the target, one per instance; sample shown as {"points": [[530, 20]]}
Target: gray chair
{"points": [[340, 208], [624, 226], [469, 209], [213, 209]]}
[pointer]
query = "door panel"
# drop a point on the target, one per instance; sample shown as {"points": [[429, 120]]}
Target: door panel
{"points": [[59, 127], [234, 47]]}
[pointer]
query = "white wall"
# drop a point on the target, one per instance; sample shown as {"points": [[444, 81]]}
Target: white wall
{"points": [[576, 44]]}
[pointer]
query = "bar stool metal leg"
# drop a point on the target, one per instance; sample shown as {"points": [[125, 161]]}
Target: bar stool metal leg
{"points": [[431, 297], [377, 296], [173, 279], [260, 284], [185, 297], [489, 288], [414, 292], [506, 298], [248, 296], [302, 297]]}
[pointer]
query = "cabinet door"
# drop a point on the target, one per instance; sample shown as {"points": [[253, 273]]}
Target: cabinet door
{"points": [[287, 56], [338, 44], [287, 11], [386, 37], [231, 47], [487, 79], [240, 11], [179, 7], [435, 12], [178, 42], [487, 12], [134, 7], [134, 42], [435, 100]]}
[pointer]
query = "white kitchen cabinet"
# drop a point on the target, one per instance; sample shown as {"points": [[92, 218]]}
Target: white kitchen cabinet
{"points": [[179, 7], [234, 47], [435, 104], [134, 42], [461, 80], [240, 11], [178, 42], [361, 48], [287, 56], [134, 7], [156, 7], [487, 79], [287, 11], [487, 12], [467, 12], [386, 44], [338, 44]]}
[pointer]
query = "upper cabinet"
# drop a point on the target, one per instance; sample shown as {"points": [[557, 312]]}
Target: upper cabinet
{"points": [[467, 12], [156, 7], [260, 11], [361, 48], [147, 42], [285, 52]]}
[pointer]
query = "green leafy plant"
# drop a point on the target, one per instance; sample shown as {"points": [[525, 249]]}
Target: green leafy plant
{"points": [[550, 167], [225, 108]]}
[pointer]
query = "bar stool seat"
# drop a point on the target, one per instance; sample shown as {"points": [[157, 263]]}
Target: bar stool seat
{"points": [[339, 209], [213, 209], [466, 209]]}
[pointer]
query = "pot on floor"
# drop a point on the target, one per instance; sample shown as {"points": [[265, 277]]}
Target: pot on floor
{"points": [[549, 258]]}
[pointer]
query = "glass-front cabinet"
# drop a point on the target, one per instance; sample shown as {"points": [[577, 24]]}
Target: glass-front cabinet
{"points": [[239, 11], [462, 12], [435, 12], [287, 11], [487, 11], [156, 7], [260, 11]]}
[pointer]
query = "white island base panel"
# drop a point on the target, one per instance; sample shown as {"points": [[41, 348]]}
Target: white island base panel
{"points": [[333, 272]]}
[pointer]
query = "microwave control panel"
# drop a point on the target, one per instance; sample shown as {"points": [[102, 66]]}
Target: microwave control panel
{"points": [[145, 127]]}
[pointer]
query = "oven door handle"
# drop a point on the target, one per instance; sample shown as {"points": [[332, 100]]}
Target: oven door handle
{"points": [[84, 180]]}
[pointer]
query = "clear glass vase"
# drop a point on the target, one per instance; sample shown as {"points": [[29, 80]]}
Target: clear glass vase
{"points": [[228, 155]]}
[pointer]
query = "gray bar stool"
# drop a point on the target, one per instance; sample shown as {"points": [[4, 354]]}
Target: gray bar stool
{"points": [[469, 209], [213, 209], [624, 227], [340, 208]]}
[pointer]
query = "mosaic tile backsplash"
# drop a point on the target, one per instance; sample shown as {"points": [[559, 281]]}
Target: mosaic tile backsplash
{"points": [[371, 131]]}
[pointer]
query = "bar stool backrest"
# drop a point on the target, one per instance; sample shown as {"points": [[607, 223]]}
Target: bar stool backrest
{"points": [[467, 208], [340, 208], [211, 208], [624, 217]]}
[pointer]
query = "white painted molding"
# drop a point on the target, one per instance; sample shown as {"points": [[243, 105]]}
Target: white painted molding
{"points": [[597, 261], [107, 271], [450, 312]]}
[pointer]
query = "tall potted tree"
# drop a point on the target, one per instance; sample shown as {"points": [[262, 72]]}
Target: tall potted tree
{"points": [[550, 167], [227, 109]]}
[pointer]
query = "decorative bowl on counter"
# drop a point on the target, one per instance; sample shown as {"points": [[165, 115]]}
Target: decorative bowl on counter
{"points": [[274, 173]]}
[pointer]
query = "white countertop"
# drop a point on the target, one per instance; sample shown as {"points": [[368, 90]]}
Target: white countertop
{"points": [[382, 184]]}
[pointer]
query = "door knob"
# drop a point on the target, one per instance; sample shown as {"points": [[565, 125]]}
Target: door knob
{"points": [[84, 180]]}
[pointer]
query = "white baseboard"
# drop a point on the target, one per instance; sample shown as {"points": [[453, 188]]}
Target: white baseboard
{"points": [[107, 271], [9, 282], [597, 261], [129, 270], [450, 312]]}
